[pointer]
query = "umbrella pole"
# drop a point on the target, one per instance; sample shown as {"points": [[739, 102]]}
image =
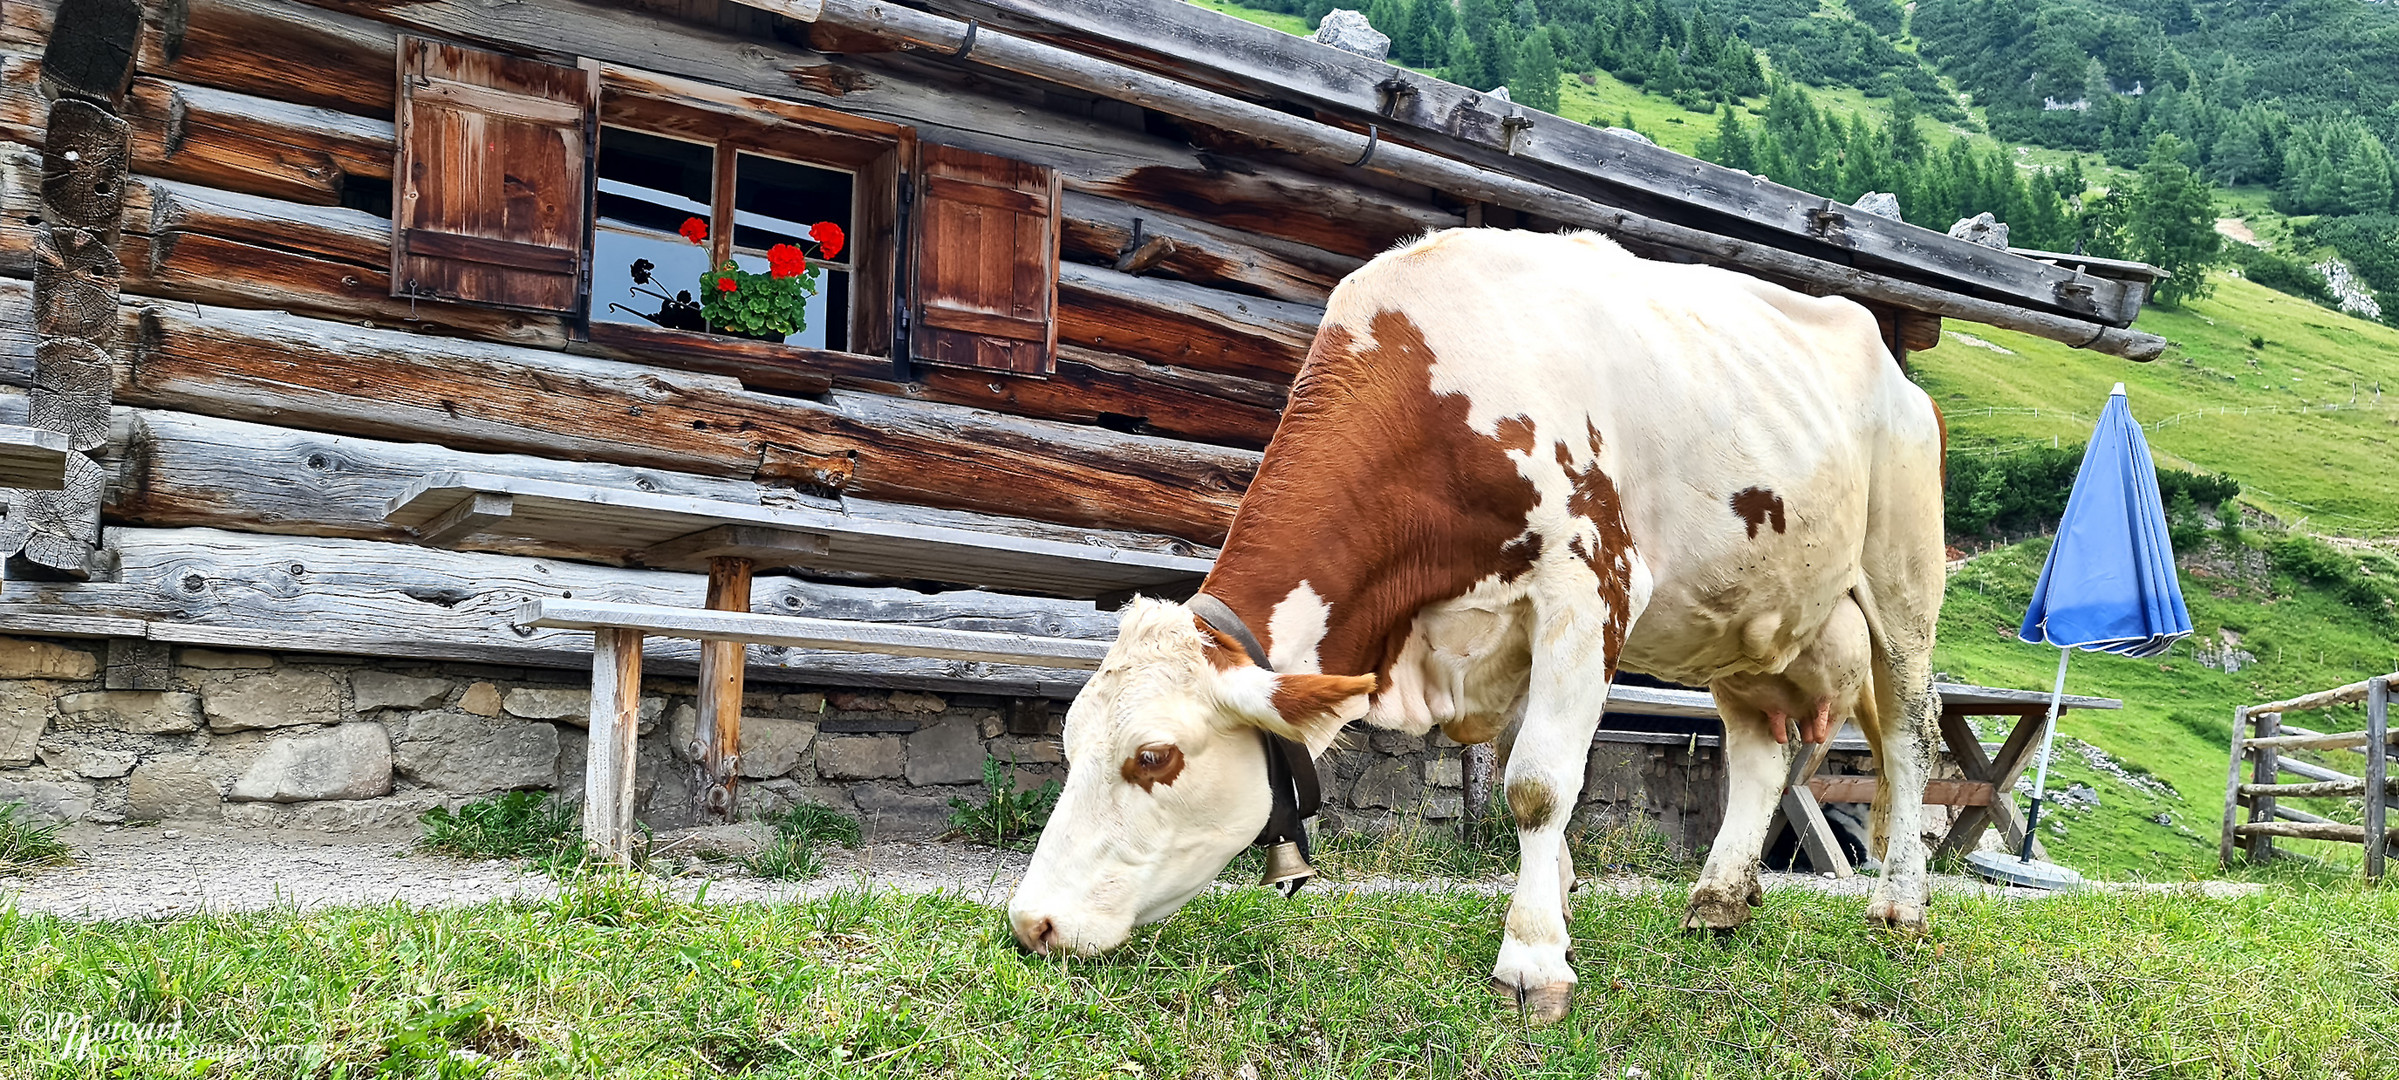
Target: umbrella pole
{"points": [[2040, 783]]}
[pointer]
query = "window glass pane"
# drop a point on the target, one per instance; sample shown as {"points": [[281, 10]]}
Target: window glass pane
{"points": [[649, 186], [775, 201], [828, 310]]}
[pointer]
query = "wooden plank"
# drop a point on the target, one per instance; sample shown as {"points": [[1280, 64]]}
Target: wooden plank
{"points": [[608, 769], [32, 459], [773, 548], [467, 517], [1969, 699], [2377, 779], [2265, 769], [1185, 41], [2309, 769], [344, 597], [1463, 180], [2000, 771], [716, 788], [2263, 832], [805, 633], [1861, 789], [320, 58], [2323, 699], [2232, 786], [2315, 790], [1171, 322], [1798, 810], [2339, 740], [892, 548]]}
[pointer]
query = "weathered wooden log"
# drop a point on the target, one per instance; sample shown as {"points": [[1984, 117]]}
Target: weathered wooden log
{"points": [[1169, 322], [1106, 231], [2300, 830], [254, 144], [164, 208], [74, 283], [2322, 699], [1462, 179], [318, 57], [83, 166], [2310, 770], [186, 265], [609, 763], [2319, 790], [69, 395], [90, 53], [2339, 740], [484, 396], [201, 586], [1244, 60]]}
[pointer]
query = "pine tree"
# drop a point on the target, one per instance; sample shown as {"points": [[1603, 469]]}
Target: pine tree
{"points": [[2172, 223], [1466, 66], [1533, 80], [1731, 146]]}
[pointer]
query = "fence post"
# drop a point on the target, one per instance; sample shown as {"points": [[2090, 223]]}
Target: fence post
{"points": [[2269, 770], [2378, 756], [2232, 784]]}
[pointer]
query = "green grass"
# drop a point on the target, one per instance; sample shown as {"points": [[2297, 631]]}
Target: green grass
{"points": [[513, 825], [801, 832], [25, 844], [2338, 472], [1289, 24], [612, 979]]}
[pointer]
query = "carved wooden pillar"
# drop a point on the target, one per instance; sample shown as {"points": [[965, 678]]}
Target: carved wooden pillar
{"points": [[86, 68]]}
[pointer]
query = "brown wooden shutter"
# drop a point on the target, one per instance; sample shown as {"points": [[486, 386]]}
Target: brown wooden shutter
{"points": [[493, 178], [986, 262]]}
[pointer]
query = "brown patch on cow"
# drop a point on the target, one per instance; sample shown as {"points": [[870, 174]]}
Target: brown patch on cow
{"points": [[1594, 499], [1300, 698], [1531, 801], [1154, 763], [1515, 433], [1758, 506], [1377, 492], [1223, 653], [1517, 559]]}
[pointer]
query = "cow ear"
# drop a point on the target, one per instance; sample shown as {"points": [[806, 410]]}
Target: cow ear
{"points": [[1305, 707]]}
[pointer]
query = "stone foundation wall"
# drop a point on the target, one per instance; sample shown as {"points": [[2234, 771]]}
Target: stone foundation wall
{"points": [[344, 743]]}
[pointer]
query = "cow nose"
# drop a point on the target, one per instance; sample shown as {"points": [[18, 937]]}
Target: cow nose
{"points": [[1037, 933]]}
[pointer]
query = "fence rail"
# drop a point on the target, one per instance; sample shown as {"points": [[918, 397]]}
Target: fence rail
{"points": [[2259, 738]]}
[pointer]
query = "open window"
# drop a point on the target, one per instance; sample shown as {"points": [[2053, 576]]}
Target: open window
{"points": [[622, 196]]}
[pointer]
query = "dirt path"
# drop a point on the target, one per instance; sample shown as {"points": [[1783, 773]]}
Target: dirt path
{"points": [[159, 872], [2237, 229]]}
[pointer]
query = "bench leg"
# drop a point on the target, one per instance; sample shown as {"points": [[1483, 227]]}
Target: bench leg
{"points": [[721, 663], [608, 767]]}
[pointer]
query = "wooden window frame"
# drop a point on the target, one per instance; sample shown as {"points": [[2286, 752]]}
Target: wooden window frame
{"points": [[876, 154]]}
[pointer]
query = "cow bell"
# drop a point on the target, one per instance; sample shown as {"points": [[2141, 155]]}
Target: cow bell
{"points": [[1286, 868]]}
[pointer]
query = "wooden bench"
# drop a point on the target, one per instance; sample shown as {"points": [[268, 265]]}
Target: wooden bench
{"points": [[617, 632], [731, 541], [32, 459]]}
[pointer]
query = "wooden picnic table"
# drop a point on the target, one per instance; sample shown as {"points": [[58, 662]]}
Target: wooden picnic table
{"points": [[731, 541]]}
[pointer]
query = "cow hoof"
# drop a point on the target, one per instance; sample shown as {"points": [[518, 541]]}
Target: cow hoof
{"points": [[1719, 910], [1539, 1006], [1893, 915]]}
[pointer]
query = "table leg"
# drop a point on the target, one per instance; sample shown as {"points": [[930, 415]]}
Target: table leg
{"points": [[1801, 813], [721, 663], [2000, 772], [608, 762]]}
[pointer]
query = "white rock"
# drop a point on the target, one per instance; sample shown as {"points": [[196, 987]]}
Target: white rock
{"points": [[1349, 31], [371, 690], [1879, 204], [351, 761], [239, 701], [1982, 229]]}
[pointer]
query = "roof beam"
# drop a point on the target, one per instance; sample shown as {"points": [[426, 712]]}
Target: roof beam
{"points": [[1308, 138]]}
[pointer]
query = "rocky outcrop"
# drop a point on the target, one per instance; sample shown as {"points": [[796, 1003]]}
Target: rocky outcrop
{"points": [[1349, 31], [1982, 229], [1879, 204], [2355, 297]]}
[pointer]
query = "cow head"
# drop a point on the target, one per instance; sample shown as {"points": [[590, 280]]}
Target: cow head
{"points": [[1166, 777]]}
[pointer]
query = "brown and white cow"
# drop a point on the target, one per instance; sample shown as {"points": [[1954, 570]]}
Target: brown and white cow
{"points": [[1513, 465]]}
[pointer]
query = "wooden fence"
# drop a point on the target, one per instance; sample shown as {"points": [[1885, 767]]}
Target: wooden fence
{"points": [[2259, 738]]}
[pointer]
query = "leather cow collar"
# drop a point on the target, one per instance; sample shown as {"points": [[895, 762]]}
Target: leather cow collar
{"points": [[1290, 773]]}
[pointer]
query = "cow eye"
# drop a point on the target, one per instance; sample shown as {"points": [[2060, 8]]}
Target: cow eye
{"points": [[1152, 764]]}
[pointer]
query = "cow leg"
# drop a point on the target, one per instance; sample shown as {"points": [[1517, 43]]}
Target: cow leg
{"points": [[1755, 765], [1544, 778], [1905, 695]]}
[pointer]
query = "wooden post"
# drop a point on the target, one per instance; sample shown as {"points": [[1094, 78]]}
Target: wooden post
{"points": [[1477, 759], [2232, 785], [608, 766], [1805, 815], [721, 664], [2268, 770], [2378, 757]]}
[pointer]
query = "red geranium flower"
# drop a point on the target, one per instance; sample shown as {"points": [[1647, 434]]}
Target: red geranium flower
{"points": [[726, 284], [784, 260], [828, 238], [694, 230]]}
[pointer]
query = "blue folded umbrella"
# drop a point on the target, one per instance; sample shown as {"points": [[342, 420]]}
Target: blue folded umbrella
{"points": [[2109, 584]]}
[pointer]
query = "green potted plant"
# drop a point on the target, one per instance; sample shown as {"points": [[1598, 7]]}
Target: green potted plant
{"points": [[769, 306]]}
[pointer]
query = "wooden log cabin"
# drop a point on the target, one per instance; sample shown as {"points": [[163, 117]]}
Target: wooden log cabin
{"points": [[359, 318]]}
